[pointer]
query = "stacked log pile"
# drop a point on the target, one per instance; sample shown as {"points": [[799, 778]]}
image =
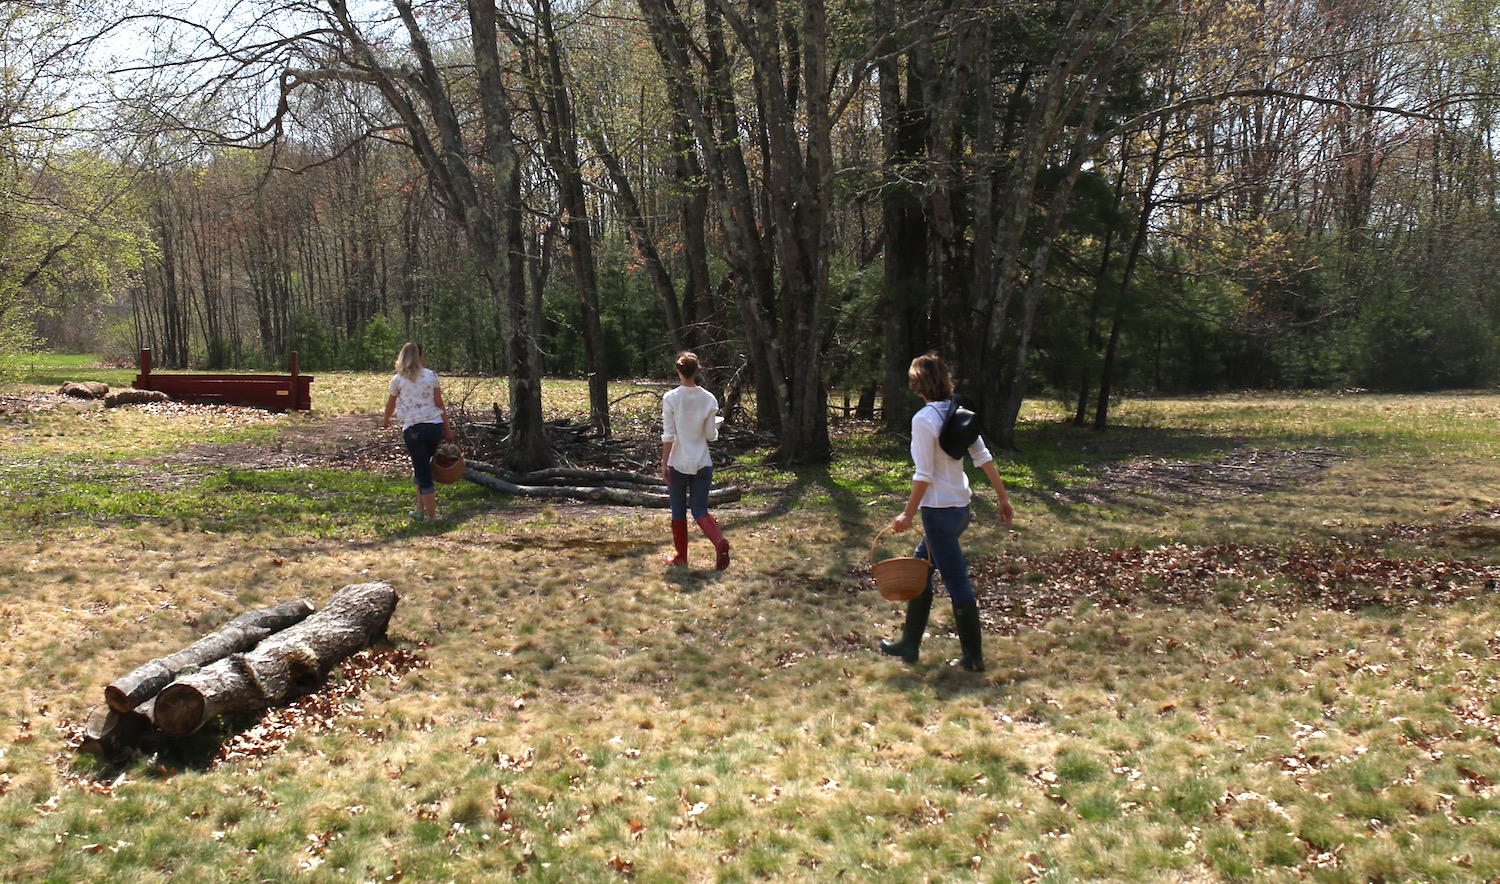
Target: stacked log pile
{"points": [[258, 660]]}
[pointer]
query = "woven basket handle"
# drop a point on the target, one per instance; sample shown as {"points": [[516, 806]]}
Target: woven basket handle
{"points": [[887, 528]]}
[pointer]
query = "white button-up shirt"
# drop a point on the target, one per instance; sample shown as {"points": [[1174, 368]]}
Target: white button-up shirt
{"points": [[947, 483], [687, 421]]}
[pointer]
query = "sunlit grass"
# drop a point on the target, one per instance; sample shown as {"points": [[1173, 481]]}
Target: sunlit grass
{"points": [[587, 715]]}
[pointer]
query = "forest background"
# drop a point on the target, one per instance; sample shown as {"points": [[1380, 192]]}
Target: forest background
{"points": [[1069, 199]]}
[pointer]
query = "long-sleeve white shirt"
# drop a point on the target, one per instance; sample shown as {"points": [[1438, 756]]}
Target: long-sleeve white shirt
{"points": [[687, 421], [947, 483]]}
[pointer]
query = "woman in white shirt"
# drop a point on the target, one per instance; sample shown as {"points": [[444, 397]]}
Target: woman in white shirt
{"points": [[940, 490], [689, 421], [416, 393]]}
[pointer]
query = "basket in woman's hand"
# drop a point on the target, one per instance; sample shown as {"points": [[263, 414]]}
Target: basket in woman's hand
{"points": [[900, 579], [448, 463]]}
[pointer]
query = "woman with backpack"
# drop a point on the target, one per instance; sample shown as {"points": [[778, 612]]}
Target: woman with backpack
{"points": [[940, 492]]}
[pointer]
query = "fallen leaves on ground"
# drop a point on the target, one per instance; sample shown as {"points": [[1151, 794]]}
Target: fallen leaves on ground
{"points": [[1020, 591]]}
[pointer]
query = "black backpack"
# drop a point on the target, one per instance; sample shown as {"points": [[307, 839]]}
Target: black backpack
{"points": [[960, 427]]}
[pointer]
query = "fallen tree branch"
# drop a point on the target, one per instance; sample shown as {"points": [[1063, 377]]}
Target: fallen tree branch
{"points": [[568, 475], [489, 476]]}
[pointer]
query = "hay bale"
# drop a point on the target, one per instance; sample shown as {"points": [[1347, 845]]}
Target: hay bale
{"points": [[133, 396], [84, 389]]}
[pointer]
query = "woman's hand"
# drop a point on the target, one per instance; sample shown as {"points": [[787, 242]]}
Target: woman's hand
{"points": [[900, 523], [1006, 511]]}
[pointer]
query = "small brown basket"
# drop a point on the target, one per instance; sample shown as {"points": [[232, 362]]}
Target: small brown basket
{"points": [[448, 463], [900, 579]]}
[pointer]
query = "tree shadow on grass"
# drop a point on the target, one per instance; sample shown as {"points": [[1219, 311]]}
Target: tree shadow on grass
{"points": [[1153, 469]]}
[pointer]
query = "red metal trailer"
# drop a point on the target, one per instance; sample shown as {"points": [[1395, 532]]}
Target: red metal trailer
{"points": [[273, 392]]}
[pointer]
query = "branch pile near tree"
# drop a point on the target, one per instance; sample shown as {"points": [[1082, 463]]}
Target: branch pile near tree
{"points": [[259, 659], [626, 489], [573, 441]]}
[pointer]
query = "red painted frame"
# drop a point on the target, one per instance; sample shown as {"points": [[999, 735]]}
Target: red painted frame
{"points": [[273, 392]]}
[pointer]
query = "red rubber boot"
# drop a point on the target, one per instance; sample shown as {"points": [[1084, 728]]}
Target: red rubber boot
{"points": [[710, 527], [679, 540]]}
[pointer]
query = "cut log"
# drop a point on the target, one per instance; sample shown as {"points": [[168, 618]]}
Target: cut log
{"points": [[283, 666], [84, 389], [116, 398], [107, 731], [490, 477], [240, 634]]}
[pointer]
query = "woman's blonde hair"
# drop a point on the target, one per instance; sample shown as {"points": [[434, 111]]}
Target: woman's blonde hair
{"points": [[687, 364], [929, 377], [409, 361]]}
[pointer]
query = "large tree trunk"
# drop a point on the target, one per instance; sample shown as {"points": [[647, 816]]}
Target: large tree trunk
{"points": [[240, 634], [282, 666], [903, 128], [552, 103], [506, 264]]}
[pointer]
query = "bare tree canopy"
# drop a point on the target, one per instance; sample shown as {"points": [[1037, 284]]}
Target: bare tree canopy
{"points": [[1068, 201]]}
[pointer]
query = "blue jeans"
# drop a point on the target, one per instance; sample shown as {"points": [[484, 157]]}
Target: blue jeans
{"points": [[690, 490], [421, 443], [942, 527]]}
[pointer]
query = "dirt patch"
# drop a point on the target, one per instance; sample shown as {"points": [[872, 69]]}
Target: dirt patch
{"points": [[342, 441], [32, 403], [1151, 481]]}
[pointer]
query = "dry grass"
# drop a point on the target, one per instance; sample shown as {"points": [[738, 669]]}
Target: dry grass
{"points": [[585, 715]]}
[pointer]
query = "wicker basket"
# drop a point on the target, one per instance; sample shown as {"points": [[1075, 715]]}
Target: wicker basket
{"points": [[900, 579], [448, 463]]}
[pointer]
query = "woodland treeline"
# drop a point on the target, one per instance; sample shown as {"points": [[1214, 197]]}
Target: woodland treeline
{"points": [[1068, 199]]}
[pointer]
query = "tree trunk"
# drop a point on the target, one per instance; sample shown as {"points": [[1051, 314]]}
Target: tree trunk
{"points": [[903, 130], [505, 257], [554, 112], [1056, 208], [240, 634], [286, 664]]}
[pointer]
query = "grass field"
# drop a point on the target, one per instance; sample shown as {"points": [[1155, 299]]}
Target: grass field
{"points": [[1234, 638]]}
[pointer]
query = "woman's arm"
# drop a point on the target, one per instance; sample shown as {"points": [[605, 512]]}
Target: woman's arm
{"points": [[437, 398], [1007, 512], [913, 503], [668, 433], [390, 409]]}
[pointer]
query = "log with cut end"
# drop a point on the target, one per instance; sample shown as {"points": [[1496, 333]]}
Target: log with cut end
{"points": [[281, 667], [107, 731], [240, 634]]}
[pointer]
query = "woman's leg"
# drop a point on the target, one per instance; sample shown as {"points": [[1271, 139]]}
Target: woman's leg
{"points": [[944, 525], [700, 484], [421, 443], [677, 497]]}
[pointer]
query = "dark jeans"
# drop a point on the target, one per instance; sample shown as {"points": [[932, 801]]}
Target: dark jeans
{"points": [[686, 491], [942, 527], [422, 441]]}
